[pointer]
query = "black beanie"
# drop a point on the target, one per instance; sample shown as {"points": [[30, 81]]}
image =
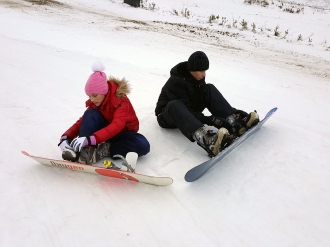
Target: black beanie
{"points": [[198, 61]]}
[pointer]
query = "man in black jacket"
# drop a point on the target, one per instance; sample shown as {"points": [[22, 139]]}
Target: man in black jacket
{"points": [[183, 99]]}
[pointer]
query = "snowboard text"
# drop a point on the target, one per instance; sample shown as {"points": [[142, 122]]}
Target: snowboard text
{"points": [[67, 166]]}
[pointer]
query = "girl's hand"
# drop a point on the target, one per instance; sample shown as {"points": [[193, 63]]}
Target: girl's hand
{"points": [[79, 142]]}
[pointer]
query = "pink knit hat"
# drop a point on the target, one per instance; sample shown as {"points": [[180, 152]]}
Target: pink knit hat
{"points": [[97, 82]]}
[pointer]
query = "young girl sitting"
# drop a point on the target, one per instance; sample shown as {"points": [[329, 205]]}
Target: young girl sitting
{"points": [[109, 125]]}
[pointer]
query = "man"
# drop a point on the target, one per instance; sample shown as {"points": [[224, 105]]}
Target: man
{"points": [[184, 97]]}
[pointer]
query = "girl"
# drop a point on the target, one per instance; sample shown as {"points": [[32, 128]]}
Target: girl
{"points": [[109, 125]]}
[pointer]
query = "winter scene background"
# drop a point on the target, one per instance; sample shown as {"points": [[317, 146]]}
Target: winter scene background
{"points": [[273, 190]]}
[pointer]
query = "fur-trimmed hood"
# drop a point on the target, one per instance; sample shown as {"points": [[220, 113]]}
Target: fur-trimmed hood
{"points": [[123, 86]]}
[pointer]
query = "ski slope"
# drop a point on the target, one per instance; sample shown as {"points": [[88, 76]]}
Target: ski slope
{"points": [[273, 190]]}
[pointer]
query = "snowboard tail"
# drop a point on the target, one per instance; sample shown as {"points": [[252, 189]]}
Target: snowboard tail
{"points": [[198, 171], [126, 175]]}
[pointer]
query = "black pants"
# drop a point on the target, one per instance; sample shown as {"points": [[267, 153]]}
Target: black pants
{"points": [[177, 115]]}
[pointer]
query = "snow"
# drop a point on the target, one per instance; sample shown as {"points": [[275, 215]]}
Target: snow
{"points": [[272, 191]]}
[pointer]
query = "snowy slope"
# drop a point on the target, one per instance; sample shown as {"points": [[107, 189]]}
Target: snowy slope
{"points": [[272, 191]]}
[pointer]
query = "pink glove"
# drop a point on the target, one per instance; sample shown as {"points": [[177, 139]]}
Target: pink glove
{"points": [[64, 143], [79, 142]]}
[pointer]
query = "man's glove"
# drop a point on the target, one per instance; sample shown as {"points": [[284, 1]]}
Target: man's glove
{"points": [[79, 142], [64, 143], [241, 114], [218, 122]]}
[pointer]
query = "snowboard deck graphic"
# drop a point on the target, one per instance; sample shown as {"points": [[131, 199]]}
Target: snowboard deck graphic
{"points": [[198, 171], [126, 175]]}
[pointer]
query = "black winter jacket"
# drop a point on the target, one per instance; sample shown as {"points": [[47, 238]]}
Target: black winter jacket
{"points": [[184, 87]]}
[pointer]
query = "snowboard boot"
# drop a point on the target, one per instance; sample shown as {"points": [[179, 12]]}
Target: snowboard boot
{"points": [[92, 154], [212, 143], [238, 125], [70, 155], [251, 119]]}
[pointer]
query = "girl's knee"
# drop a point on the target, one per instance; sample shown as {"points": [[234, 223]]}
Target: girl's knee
{"points": [[144, 146], [93, 113]]}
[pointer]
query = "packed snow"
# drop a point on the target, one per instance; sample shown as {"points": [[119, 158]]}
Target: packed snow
{"points": [[273, 190]]}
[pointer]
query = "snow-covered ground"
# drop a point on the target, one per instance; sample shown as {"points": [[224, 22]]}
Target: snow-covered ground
{"points": [[272, 191]]}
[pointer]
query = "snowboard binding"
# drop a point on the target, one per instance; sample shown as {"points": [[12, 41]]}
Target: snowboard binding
{"points": [[226, 141], [129, 163]]}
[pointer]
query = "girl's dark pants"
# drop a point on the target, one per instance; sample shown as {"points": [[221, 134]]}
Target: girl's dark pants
{"points": [[122, 143]]}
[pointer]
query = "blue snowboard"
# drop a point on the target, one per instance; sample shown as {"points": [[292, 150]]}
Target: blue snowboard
{"points": [[198, 171]]}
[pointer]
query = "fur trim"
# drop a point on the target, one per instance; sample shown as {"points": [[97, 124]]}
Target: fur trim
{"points": [[123, 86]]}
